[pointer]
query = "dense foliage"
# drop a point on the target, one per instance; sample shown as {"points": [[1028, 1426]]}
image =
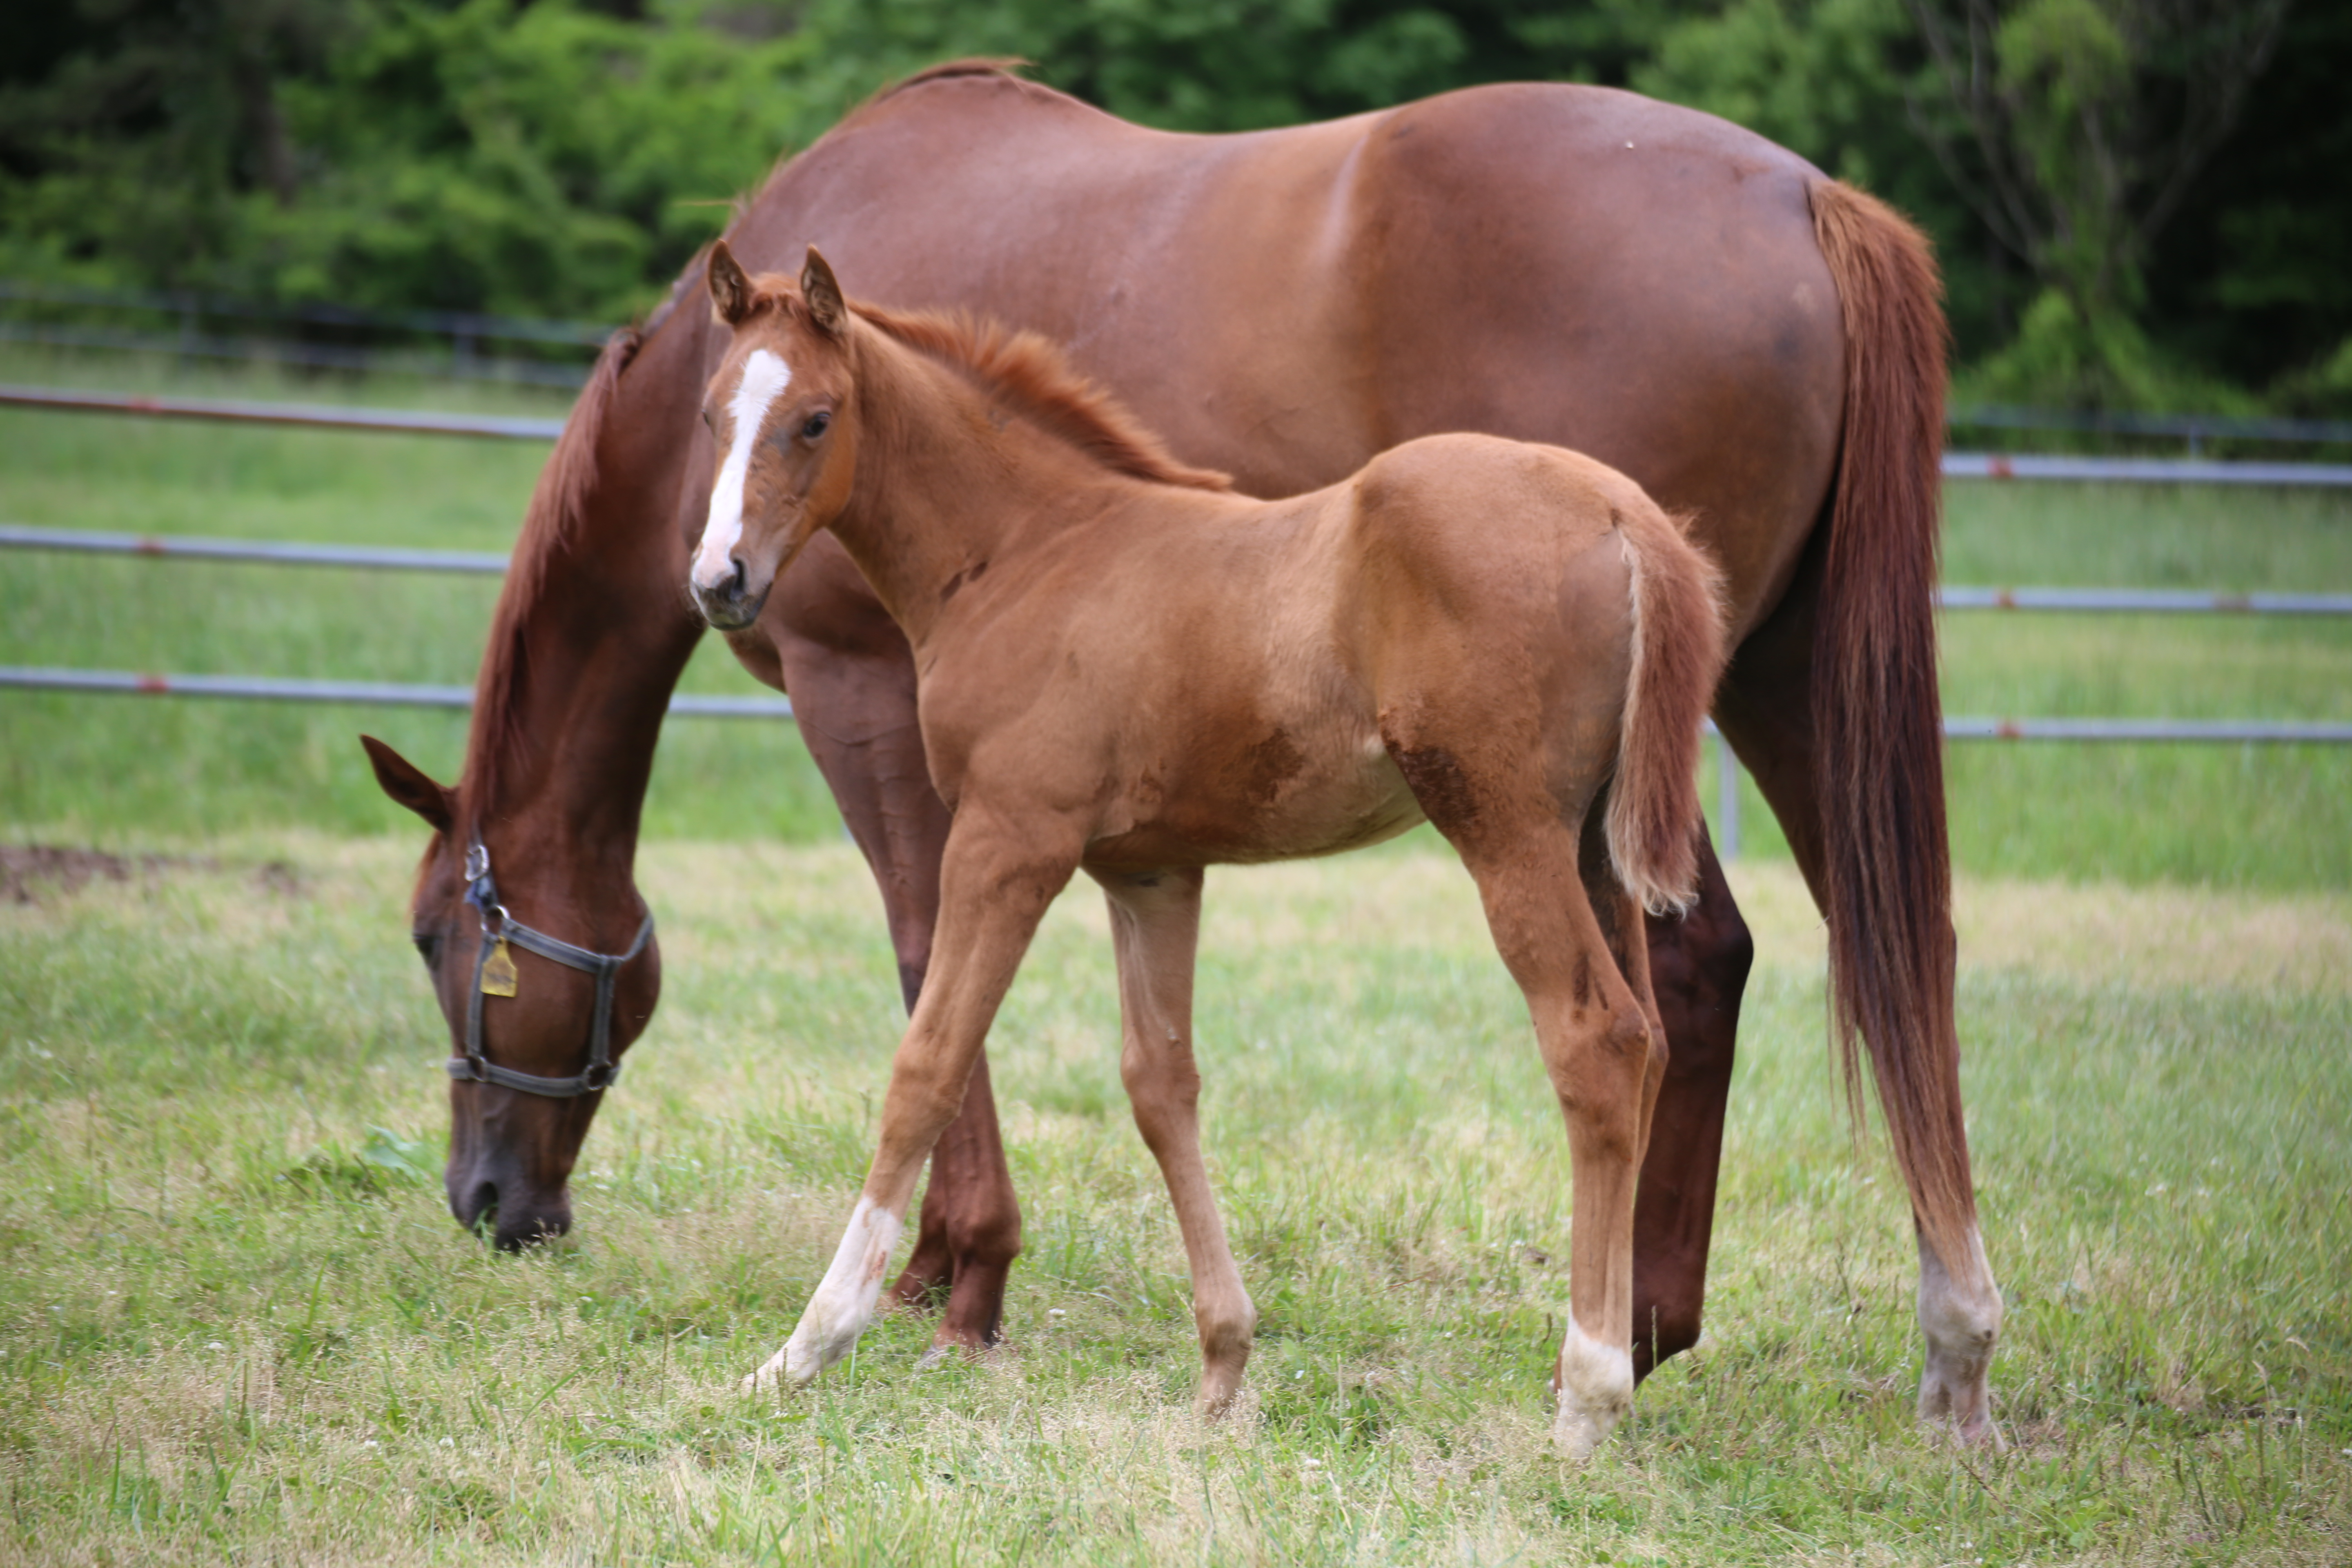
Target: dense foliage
{"points": [[2139, 202]]}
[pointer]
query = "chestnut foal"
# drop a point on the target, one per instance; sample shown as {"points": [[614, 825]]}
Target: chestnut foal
{"points": [[1126, 668]]}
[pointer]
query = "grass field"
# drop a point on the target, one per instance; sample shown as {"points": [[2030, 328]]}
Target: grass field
{"points": [[239, 1324], [235, 1322]]}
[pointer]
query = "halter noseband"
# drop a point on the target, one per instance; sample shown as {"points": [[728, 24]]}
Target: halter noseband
{"points": [[499, 926]]}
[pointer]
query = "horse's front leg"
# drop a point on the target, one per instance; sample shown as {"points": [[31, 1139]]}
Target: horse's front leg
{"points": [[1155, 920], [852, 677], [998, 876]]}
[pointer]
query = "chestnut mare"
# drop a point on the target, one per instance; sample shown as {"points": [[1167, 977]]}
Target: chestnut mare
{"points": [[1127, 669], [1753, 342]]}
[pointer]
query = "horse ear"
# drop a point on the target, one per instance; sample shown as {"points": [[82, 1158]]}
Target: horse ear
{"points": [[409, 786], [730, 290], [823, 294]]}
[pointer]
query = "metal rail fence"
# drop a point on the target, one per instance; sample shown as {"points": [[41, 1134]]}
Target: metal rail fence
{"points": [[402, 421], [196, 547], [399, 421]]}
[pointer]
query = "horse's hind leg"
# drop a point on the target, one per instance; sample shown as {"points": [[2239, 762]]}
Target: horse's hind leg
{"points": [[1698, 970], [1605, 1057], [1155, 927]]}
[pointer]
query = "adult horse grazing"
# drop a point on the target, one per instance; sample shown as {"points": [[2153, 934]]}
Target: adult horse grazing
{"points": [[1125, 668], [1755, 344]]}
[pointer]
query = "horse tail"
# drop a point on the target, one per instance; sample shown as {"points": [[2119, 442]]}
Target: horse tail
{"points": [[1877, 717], [1676, 597]]}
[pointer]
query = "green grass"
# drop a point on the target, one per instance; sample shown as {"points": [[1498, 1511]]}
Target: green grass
{"points": [[118, 770], [238, 1322]]}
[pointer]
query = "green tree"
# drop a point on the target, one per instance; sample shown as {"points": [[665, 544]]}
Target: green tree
{"points": [[2074, 129]]}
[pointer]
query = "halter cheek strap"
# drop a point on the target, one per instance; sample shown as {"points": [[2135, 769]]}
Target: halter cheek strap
{"points": [[499, 926]]}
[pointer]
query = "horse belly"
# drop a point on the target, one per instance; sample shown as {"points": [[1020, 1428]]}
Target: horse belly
{"points": [[1278, 792]]}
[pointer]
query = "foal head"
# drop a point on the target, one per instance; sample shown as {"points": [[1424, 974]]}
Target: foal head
{"points": [[780, 410]]}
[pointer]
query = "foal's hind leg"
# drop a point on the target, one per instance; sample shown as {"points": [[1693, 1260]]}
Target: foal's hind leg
{"points": [[1155, 927], [1606, 1058]]}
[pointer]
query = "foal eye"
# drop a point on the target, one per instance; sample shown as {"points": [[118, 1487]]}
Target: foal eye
{"points": [[816, 426], [428, 947]]}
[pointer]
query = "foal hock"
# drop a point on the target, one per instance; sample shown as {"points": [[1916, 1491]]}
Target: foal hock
{"points": [[1128, 669]]}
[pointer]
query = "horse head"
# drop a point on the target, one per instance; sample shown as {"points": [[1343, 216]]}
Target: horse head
{"points": [[537, 1022], [780, 409]]}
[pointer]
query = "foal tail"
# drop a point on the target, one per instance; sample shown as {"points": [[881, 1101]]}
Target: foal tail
{"points": [[1676, 593]]}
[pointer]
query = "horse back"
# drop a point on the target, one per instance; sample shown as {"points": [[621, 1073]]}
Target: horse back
{"points": [[1560, 264]]}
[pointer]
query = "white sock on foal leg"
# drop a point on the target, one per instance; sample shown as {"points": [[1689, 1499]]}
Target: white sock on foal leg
{"points": [[1596, 1390], [843, 1302]]}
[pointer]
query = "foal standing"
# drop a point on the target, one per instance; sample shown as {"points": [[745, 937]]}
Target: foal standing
{"points": [[1125, 666]]}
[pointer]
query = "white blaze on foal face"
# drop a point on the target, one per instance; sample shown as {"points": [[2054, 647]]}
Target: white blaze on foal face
{"points": [[765, 377]]}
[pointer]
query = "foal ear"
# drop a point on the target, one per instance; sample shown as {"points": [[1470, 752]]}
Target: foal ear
{"points": [[823, 294], [731, 290], [408, 785]]}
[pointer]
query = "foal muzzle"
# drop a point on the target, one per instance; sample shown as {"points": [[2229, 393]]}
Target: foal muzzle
{"points": [[726, 605]]}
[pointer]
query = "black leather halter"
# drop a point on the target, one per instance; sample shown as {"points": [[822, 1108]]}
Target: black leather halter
{"points": [[499, 926]]}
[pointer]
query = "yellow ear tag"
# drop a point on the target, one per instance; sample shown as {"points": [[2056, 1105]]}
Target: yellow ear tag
{"points": [[499, 971]]}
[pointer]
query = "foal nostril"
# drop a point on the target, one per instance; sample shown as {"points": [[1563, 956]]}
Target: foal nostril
{"points": [[734, 586]]}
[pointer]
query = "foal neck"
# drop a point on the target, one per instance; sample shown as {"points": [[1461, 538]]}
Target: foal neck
{"points": [[954, 474]]}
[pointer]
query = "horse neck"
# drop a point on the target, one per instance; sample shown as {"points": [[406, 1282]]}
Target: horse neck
{"points": [[563, 738], [948, 478]]}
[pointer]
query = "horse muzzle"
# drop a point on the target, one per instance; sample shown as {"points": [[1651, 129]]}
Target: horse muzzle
{"points": [[512, 1214], [727, 604]]}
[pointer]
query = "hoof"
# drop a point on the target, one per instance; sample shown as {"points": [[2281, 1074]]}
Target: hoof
{"points": [[1958, 1400], [1220, 1388], [1576, 1434], [1595, 1387]]}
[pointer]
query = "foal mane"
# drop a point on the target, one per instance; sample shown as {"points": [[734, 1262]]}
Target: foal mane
{"points": [[549, 526], [1028, 371], [1032, 373]]}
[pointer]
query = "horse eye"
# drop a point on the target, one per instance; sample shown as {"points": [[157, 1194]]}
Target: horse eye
{"points": [[816, 424], [428, 947]]}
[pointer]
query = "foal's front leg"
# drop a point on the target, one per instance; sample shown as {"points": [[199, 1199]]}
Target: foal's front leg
{"points": [[997, 880], [1155, 920]]}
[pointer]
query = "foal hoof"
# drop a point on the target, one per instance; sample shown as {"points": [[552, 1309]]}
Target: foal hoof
{"points": [[1575, 1433], [1595, 1389]]}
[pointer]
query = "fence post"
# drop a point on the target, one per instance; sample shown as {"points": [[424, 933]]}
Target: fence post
{"points": [[1726, 802]]}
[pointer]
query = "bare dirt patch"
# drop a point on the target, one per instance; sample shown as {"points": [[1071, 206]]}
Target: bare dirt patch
{"points": [[30, 872], [27, 870]]}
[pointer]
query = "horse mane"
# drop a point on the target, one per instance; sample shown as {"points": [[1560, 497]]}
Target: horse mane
{"points": [[1028, 371], [1032, 373], [997, 68], [548, 528]]}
